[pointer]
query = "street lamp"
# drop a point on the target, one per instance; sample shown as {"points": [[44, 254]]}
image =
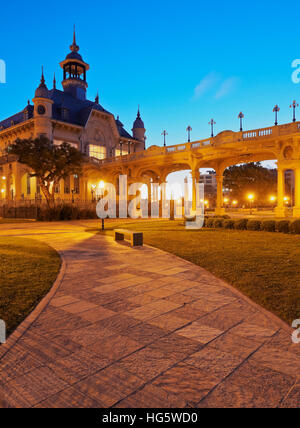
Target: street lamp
{"points": [[251, 199], [276, 109], [241, 117], [273, 200], [234, 203], [164, 133], [294, 105], [212, 123], [189, 129]]}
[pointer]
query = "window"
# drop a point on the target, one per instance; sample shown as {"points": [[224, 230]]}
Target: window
{"points": [[67, 185], [97, 152], [76, 184], [57, 188], [28, 185], [118, 152]]}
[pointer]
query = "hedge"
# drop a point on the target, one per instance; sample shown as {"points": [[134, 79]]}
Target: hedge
{"points": [[254, 225], [268, 225], [65, 212], [295, 227], [241, 224], [282, 226]]}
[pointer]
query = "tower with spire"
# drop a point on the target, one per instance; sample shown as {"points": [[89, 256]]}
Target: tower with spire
{"points": [[42, 110], [74, 68], [138, 130]]}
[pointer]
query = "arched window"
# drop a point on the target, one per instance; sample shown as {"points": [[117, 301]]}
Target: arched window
{"points": [[67, 185]]}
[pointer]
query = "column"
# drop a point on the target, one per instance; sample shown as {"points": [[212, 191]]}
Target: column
{"points": [[196, 178], [220, 210], [149, 186], [296, 211], [18, 183], [280, 210]]}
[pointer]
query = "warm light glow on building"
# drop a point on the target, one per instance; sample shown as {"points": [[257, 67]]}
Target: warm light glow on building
{"points": [[273, 198]]}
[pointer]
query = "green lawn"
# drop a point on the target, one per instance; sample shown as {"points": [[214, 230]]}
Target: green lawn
{"points": [[264, 266], [28, 269]]}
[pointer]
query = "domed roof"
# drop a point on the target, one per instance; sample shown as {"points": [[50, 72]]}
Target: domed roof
{"points": [[138, 123], [74, 55], [42, 90]]}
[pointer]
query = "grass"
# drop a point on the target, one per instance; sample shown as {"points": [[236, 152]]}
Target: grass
{"points": [[28, 269], [264, 266]]}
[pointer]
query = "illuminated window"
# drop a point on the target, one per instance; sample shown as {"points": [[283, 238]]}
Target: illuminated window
{"points": [[118, 152], [97, 152], [28, 185]]}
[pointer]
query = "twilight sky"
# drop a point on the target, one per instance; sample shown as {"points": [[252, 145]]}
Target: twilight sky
{"points": [[183, 62]]}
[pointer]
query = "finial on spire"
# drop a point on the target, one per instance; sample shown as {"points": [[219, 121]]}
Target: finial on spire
{"points": [[54, 82], [42, 77], [138, 113], [97, 98], [74, 47]]}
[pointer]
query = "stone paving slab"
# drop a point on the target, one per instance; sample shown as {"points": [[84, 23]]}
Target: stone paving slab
{"points": [[137, 327]]}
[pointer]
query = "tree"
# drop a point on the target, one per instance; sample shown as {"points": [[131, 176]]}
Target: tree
{"points": [[49, 163], [251, 178]]}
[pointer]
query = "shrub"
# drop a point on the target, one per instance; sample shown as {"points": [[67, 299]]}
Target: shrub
{"points": [[210, 222], [229, 224], [65, 212], [218, 222], [241, 224], [295, 227], [254, 225], [268, 225], [283, 226]]}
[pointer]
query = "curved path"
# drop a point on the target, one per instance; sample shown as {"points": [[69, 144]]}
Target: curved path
{"points": [[142, 328]]}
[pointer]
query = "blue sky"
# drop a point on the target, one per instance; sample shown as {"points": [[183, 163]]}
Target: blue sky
{"points": [[183, 62]]}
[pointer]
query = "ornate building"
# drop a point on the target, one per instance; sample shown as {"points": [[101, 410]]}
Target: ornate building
{"points": [[65, 116]]}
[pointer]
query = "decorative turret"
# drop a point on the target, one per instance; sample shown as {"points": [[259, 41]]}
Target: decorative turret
{"points": [[75, 70], [42, 90], [138, 130], [42, 110]]}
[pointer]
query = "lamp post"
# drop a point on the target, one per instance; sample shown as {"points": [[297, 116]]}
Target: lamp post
{"points": [[294, 105], [241, 117], [276, 109], [73, 192], [273, 201], [189, 129], [212, 123], [251, 199], [164, 133]]}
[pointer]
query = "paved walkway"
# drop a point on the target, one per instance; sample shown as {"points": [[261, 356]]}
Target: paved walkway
{"points": [[142, 328]]}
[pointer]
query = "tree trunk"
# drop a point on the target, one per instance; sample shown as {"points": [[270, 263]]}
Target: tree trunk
{"points": [[48, 195]]}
